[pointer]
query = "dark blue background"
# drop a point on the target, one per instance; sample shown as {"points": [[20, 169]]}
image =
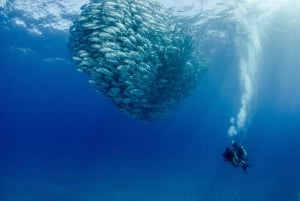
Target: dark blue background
{"points": [[52, 122]]}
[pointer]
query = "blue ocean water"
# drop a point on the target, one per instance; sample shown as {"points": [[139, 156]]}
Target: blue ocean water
{"points": [[60, 140]]}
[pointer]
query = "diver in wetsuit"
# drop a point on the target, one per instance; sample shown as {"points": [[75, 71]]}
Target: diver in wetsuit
{"points": [[237, 156]]}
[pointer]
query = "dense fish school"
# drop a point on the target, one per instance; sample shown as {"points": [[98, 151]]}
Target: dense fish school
{"points": [[138, 54]]}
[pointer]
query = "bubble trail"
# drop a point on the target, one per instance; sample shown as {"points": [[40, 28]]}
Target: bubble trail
{"points": [[250, 51]]}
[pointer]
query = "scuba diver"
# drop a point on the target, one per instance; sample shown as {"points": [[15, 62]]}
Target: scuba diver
{"points": [[237, 156]]}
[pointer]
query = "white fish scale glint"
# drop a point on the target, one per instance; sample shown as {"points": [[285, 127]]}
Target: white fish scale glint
{"points": [[132, 52]]}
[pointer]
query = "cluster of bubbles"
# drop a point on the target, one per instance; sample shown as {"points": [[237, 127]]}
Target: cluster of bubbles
{"points": [[138, 54]]}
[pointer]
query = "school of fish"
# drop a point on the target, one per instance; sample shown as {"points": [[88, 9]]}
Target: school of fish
{"points": [[138, 54]]}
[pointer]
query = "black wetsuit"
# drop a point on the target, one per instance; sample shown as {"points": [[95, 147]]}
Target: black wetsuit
{"points": [[236, 156]]}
